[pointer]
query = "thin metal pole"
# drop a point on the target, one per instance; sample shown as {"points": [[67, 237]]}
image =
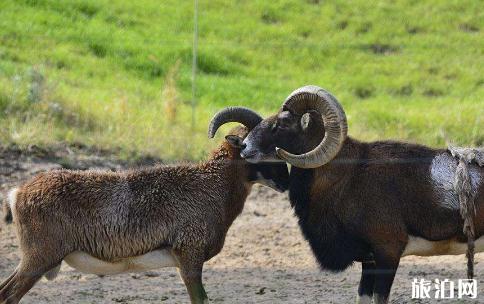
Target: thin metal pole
{"points": [[194, 60]]}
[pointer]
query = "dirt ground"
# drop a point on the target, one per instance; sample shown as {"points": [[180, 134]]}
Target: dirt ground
{"points": [[265, 258]]}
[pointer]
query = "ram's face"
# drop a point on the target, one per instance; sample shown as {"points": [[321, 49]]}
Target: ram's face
{"points": [[308, 131], [291, 132], [273, 174]]}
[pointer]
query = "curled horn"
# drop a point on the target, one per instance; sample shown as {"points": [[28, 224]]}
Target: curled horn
{"points": [[243, 115], [335, 125]]}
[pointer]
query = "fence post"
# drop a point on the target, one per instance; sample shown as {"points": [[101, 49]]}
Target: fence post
{"points": [[194, 60]]}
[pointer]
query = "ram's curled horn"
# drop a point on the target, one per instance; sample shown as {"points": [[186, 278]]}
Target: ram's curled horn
{"points": [[336, 127], [243, 115]]}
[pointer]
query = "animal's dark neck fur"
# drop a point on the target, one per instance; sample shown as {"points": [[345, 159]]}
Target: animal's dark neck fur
{"points": [[334, 248]]}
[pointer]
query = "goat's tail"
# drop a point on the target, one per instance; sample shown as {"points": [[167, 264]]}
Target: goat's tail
{"points": [[9, 205], [466, 194]]}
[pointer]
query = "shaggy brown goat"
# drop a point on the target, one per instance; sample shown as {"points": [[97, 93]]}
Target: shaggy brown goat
{"points": [[116, 222], [368, 202]]}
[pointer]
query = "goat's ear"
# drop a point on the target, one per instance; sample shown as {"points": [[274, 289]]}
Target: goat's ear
{"points": [[309, 119], [234, 141]]}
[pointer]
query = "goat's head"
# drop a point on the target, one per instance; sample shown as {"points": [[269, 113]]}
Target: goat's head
{"points": [[272, 174], [311, 119]]}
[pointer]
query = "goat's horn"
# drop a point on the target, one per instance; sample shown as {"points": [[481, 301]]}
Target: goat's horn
{"points": [[243, 115], [336, 128]]}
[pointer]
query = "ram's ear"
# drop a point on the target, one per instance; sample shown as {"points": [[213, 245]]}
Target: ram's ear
{"points": [[308, 119], [235, 141]]}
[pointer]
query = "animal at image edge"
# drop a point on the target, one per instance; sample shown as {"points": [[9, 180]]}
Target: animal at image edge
{"points": [[116, 222], [367, 202]]}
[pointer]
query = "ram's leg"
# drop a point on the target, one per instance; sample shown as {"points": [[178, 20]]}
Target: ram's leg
{"points": [[367, 282], [386, 268], [22, 280], [190, 268], [6, 282], [7, 213], [17, 285]]}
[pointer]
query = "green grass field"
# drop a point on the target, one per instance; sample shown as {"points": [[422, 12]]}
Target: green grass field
{"points": [[117, 74]]}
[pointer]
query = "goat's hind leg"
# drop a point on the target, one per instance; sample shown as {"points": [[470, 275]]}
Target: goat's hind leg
{"points": [[5, 282], [17, 286], [21, 281]]}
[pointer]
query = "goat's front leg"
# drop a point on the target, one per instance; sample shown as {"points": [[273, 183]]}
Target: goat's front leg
{"points": [[385, 270], [367, 282], [190, 266]]}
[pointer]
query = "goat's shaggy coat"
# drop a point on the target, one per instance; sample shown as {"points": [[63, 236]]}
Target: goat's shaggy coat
{"points": [[184, 211]]}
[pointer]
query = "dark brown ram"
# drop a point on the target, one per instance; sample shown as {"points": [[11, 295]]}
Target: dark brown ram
{"points": [[367, 202]]}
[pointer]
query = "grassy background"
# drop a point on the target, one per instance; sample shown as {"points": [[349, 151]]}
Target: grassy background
{"points": [[116, 74]]}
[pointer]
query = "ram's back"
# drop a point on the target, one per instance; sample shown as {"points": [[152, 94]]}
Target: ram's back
{"points": [[114, 215]]}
